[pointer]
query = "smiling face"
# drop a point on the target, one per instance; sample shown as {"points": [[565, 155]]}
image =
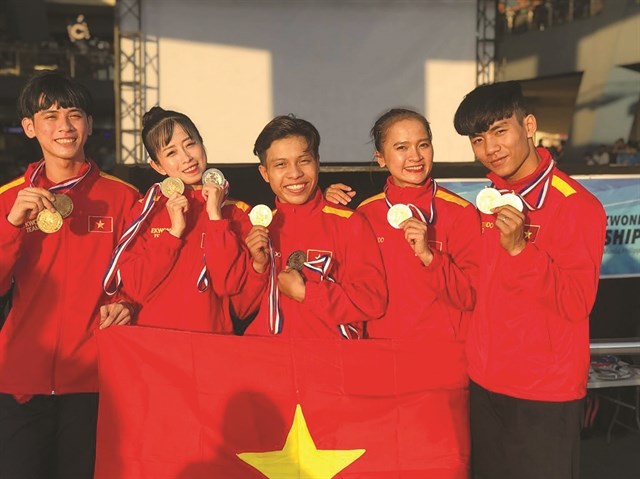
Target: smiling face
{"points": [[291, 170], [61, 132], [183, 157], [407, 152], [507, 147]]}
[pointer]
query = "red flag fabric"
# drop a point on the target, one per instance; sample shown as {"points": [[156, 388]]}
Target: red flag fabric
{"points": [[184, 405]]}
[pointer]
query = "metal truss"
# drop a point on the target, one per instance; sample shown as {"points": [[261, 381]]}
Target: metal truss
{"points": [[486, 41], [136, 78]]}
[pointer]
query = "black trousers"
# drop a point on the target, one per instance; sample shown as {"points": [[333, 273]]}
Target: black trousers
{"points": [[48, 437], [515, 438]]}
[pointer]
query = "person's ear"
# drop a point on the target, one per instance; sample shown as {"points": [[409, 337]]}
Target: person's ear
{"points": [[158, 167], [28, 127], [263, 172], [530, 125], [380, 159], [90, 123]]}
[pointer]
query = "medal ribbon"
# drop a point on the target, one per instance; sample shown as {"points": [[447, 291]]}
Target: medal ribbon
{"points": [[112, 279], [275, 319], [321, 266], [543, 176], [65, 185], [432, 208], [203, 279]]}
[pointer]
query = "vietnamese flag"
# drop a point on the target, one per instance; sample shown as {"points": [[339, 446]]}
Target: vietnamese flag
{"points": [[183, 405]]}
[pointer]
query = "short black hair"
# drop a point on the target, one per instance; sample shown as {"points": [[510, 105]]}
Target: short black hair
{"points": [[284, 126], [50, 88], [157, 129], [487, 104]]}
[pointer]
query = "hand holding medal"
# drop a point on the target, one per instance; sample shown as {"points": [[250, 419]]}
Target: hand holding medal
{"points": [[257, 240], [214, 190]]}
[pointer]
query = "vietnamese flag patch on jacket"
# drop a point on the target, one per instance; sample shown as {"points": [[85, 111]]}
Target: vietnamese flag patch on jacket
{"points": [[187, 405]]}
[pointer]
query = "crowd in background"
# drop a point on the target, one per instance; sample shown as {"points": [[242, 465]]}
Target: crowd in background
{"points": [[620, 153]]}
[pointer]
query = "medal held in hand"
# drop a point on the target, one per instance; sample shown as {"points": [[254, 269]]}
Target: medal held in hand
{"points": [[213, 175], [487, 199], [49, 222], [260, 215], [296, 260], [63, 204], [171, 185], [397, 214], [511, 199]]}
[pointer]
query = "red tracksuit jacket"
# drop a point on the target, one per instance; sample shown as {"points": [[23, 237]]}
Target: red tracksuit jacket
{"points": [[359, 291], [160, 272], [46, 344], [426, 301], [529, 336]]}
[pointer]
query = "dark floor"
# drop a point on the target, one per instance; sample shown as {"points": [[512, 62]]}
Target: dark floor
{"points": [[619, 459]]}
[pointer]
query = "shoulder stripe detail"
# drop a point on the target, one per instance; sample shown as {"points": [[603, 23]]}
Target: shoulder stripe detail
{"points": [[335, 211], [451, 198], [562, 186], [115, 178], [238, 204], [12, 184], [371, 199]]}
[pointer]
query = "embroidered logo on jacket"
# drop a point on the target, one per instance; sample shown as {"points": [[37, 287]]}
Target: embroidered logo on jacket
{"points": [[531, 232], [156, 231], [100, 224], [314, 254]]}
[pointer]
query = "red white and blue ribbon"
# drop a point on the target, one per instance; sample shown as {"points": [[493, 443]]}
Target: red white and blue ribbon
{"points": [[321, 265], [432, 208], [544, 176], [203, 278], [275, 318], [65, 185], [112, 279]]}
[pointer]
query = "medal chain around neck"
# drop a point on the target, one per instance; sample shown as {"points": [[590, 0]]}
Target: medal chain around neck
{"points": [[65, 185], [543, 176], [432, 209]]}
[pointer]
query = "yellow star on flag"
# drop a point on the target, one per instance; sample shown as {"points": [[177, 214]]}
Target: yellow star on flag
{"points": [[299, 458], [100, 224]]}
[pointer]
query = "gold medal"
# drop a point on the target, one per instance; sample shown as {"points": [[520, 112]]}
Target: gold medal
{"points": [[260, 215], [397, 214], [171, 185], [213, 175], [63, 204], [296, 260], [513, 200], [49, 222], [487, 199]]}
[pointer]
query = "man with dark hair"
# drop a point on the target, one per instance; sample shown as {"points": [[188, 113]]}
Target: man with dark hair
{"points": [[58, 226], [528, 342], [326, 274]]}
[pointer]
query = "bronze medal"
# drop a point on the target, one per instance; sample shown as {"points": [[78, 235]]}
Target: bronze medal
{"points": [[213, 175], [63, 204], [49, 222], [296, 260], [171, 185]]}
